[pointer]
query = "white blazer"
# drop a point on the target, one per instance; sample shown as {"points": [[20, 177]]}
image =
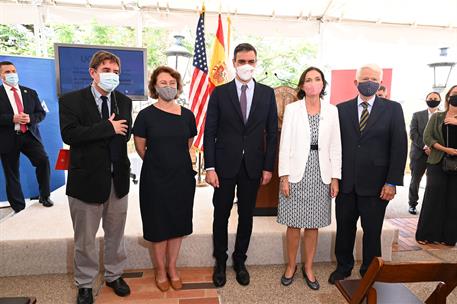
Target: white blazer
{"points": [[295, 142]]}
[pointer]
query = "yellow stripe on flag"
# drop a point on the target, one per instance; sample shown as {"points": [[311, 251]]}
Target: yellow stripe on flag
{"points": [[217, 68]]}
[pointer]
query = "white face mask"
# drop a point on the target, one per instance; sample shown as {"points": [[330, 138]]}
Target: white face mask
{"points": [[12, 79], [245, 72], [108, 81]]}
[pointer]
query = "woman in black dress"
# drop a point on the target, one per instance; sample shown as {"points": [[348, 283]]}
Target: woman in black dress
{"points": [[164, 133], [437, 221]]}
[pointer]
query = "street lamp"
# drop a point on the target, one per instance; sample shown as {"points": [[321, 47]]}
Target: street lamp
{"points": [[178, 56], [442, 69]]}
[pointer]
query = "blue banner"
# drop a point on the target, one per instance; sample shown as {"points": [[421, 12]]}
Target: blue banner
{"points": [[39, 74]]}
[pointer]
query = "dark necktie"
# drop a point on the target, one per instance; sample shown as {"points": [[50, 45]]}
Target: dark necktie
{"points": [[243, 102], [20, 108], [364, 116], [105, 111]]}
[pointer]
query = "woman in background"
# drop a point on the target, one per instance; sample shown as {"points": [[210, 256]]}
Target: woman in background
{"points": [[309, 169], [438, 218]]}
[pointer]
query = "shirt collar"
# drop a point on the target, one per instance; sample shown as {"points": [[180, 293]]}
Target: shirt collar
{"points": [[8, 87], [250, 84], [97, 94], [430, 112], [369, 101]]}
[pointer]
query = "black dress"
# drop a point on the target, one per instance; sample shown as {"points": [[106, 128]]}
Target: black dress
{"points": [[167, 184], [437, 220]]}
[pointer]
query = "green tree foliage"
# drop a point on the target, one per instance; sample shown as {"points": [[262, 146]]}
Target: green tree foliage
{"points": [[287, 58], [17, 40], [156, 42]]}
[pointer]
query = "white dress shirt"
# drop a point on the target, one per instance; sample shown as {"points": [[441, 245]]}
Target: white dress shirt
{"points": [[360, 107], [249, 93], [430, 113], [99, 101], [10, 95]]}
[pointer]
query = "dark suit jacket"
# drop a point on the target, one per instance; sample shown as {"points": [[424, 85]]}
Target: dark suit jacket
{"points": [[378, 155], [226, 135], [416, 133], [32, 106], [94, 146]]}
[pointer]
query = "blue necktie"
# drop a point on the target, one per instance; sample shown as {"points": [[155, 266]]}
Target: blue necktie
{"points": [[105, 111]]}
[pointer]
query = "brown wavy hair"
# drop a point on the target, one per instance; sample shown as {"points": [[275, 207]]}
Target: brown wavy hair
{"points": [[153, 81], [448, 95], [100, 56]]}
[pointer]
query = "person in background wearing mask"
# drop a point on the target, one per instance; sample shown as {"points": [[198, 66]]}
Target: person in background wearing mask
{"points": [[20, 114], [240, 149], [163, 134], [375, 147], [437, 221], [309, 168], [419, 152], [382, 92], [96, 123]]}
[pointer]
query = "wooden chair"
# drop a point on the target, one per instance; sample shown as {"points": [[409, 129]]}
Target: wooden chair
{"points": [[381, 283]]}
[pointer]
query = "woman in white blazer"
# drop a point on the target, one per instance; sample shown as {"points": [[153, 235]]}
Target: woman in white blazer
{"points": [[309, 169]]}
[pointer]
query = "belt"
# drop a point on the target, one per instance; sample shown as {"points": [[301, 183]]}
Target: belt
{"points": [[19, 132], [314, 147]]}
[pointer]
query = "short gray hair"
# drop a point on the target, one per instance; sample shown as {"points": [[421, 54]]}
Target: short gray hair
{"points": [[370, 66]]}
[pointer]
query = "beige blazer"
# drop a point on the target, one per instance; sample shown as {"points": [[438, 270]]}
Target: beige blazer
{"points": [[295, 142]]}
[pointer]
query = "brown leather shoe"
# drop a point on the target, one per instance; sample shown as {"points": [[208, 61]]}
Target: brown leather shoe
{"points": [[163, 286], [176, 284]]}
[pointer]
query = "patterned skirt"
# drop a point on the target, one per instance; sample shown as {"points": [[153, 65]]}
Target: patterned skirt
{"points": [[309, 201]]}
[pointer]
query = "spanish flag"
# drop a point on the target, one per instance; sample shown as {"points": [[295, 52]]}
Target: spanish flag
{"points": [[218, 68]]}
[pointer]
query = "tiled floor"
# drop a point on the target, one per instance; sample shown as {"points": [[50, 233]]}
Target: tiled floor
{"points": [[407, 240], [197, 289]]}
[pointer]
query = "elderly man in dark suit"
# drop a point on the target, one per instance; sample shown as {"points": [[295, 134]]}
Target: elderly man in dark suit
{"points": [[96, 123], [419, 151], [374, 146], [20, 114], [240, 149]]}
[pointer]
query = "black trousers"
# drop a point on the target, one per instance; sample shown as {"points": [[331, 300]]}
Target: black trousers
{"points": [[34, 150], [223, 201], [371, 210], [418, 167], [438, 217]]}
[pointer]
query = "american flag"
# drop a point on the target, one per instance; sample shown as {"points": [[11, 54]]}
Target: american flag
{"points": [[200, 87]]}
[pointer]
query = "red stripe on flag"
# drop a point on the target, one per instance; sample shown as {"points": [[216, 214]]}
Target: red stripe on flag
{"points": [[220, 31]]}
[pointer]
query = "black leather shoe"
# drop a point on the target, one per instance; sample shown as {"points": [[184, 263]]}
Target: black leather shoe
{"points": [[46, 201], [120, 287], [85, 296], [287, 281], [412, 210], [219, 277], [242, 274], [313, 285], [337, 276]]}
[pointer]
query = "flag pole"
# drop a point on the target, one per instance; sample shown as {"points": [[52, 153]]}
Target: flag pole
{"points": [[229, 26], [200, 182]]}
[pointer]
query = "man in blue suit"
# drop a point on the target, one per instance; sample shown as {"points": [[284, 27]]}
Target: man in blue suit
{"points": [[240, 150], [374, 146], [20, 114]]}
